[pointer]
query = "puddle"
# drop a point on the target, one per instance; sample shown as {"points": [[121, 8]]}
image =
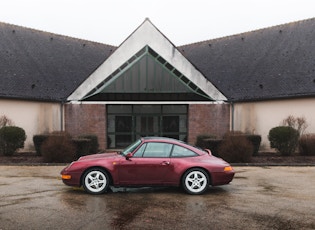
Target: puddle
{"points": [[240, 177]]}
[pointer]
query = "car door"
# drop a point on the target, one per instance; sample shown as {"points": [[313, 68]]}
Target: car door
{"points": [[149, 165], [126, 170], [154, 164]]}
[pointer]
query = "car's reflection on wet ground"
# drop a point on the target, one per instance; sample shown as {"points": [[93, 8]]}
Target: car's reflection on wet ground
{"points": [[33, 197]]}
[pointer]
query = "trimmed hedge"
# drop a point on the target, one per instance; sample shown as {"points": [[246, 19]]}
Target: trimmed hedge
{"points": [[284, 139], [307, 145], [84, 144], [255, 140], [38, 140], [11, 139], [58, 148], [94, 146], [201, 140], [210, 142], [235, 148]]}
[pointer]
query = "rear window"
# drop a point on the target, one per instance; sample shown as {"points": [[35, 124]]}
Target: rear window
{"points": [[179, 151]]}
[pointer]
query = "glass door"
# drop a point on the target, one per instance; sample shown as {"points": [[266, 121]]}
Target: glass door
{"points": [[170, 126], [126, 123], [147, 125]]}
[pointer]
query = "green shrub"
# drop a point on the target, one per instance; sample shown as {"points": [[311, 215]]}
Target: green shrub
{"points": [[307, 145], [284, 139], [38, 140], [58, 148], [11, 139], [235, 148], [93, 142]]}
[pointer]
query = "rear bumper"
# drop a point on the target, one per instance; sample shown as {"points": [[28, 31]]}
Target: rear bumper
{"points": [[222, 178]]}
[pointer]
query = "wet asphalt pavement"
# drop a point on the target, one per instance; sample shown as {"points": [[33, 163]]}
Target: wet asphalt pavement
{"points": [[33, 197]]}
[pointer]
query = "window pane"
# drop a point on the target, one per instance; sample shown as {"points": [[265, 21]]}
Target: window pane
{"points": [[157, 150], [123, 140], [170, 124], [123, 123], [139, 152], [183, 123], [111, 141], [131, 147], [179, 151], [147, 125]]}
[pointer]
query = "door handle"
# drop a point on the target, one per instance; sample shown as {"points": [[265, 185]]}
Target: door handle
{"points": [[165, 163]]}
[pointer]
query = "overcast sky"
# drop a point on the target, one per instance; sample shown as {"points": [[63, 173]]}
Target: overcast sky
{"points": [[182, 21]]}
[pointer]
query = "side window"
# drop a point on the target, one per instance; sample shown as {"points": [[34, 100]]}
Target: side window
{"points": [[157, 150], [179, 151], [140, 151]]}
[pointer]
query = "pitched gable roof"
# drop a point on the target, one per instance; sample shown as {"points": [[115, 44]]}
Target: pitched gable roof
{"points": [[276, 62], [38, 65], [146, 35]]}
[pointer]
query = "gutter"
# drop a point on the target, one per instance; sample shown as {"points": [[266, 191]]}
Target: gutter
{"points": [[62, 116], [232, 116]]}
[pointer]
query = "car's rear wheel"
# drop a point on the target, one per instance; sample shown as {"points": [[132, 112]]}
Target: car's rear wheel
{"points": [[195, 181], [95, 181]]}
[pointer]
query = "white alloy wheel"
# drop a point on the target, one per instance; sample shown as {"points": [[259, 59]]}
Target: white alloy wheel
{"points": [[95, 181], [195, 181]]}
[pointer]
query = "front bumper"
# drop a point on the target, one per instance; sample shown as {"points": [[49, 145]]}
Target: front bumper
{"points": [[70, 178]]}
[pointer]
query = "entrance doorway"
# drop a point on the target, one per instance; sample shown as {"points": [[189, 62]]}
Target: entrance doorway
{"points": [[126, 123]]}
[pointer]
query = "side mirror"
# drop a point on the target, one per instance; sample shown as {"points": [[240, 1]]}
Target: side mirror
{"points": [[128, 156]]}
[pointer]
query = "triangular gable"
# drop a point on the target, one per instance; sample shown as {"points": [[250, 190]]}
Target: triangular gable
{"points": [[146, 76], [146, 35], [143, 76]]}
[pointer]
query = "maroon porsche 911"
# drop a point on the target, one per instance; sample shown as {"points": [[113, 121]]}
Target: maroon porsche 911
{"points": [[150, 161]]}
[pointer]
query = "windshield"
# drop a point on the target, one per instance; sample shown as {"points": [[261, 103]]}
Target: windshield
{"points": [[131, 147]]}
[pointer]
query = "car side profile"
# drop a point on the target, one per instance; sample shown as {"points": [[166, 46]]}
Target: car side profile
{"points": [[149, 161]]}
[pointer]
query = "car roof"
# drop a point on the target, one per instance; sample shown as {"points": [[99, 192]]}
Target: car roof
{"points": [[172, 141], [163, 139]]}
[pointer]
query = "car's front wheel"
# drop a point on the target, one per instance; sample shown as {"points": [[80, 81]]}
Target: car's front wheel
{"points": [[95, 181], [195, 181]]}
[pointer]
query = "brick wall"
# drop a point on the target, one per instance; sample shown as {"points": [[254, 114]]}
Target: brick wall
{"points": [[86, 119], [213, 119]]}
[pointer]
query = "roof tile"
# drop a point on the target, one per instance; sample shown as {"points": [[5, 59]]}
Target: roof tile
{"points": [[44, 66], [276, 62]]}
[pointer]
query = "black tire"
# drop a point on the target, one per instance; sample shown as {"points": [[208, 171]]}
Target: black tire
{"points": [[195, 181], [95, 181]]}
